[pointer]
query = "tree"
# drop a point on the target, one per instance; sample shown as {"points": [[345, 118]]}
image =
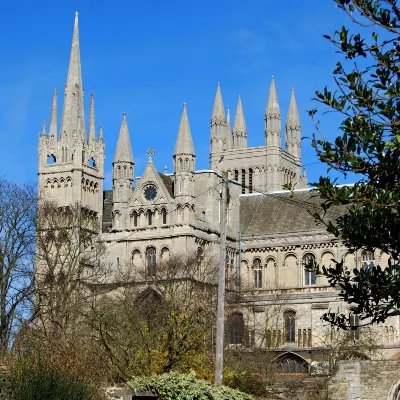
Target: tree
{"points": [[70, 263], [162, 318], [367, 97], [17, 249]]}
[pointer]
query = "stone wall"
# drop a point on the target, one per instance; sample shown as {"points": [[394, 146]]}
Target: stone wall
{"points": [[366, 380]]}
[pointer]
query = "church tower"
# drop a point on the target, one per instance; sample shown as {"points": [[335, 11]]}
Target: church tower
{"points": [[123, 173], [184, 162], [71, 168], [219, 131]]}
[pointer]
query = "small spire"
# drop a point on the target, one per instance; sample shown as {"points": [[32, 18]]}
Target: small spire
{"points": [[293, 119], [304, 173], [218, 113], [228, 118], [53, 118], [43, 129], [239, 125], [272, 105], [92, 128], [165, 170], [101, 133], [123, 151], [184, 142]]}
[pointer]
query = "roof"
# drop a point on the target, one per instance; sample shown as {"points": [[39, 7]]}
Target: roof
{"points": [[282, 213], [167, 180]]}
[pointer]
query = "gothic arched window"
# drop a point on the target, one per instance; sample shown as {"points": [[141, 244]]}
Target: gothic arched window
{"points": [[135, 218], [151, 261], [243, 181], [164, 216], [290, 326], [250, 180], [368, 259], [236, 175], [257, 273], [235, 328], [310, 276], [149, 217]]}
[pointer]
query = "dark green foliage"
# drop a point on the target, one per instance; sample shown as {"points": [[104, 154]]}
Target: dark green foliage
{"points": [[368, 146]]}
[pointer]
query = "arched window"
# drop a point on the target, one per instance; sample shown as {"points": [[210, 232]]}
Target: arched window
{"points": [[354, 323], [203, 216], [119, 172], [180, 163], [151, 261], [257, 273], [250, 180], [125, 172], [236, 328], [290, 326], [243, 181], [236, 175], [187, 168], [51, 159], [291, 363], [149, 217], [164, 216], [135, 218], [92, 162], [310, 277], [368, 259]]}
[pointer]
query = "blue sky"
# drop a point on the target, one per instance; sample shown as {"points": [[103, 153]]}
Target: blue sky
{"points": [[147, 58]]}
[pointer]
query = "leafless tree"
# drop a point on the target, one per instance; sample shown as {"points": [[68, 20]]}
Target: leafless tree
{"points": [[17, 244]]}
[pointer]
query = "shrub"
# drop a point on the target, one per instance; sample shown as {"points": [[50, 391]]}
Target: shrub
{"points": [[42, 382], [174, 386]]}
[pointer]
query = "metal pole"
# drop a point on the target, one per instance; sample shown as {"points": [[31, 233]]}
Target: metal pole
{"points": [[239, 266], [219, 354]]}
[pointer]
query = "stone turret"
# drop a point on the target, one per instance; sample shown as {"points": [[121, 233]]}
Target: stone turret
{"points": [[218, 130], [239, 130], [184, 161], [272, 119], [123, 173]]}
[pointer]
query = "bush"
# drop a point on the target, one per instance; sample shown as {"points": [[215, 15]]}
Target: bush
{"points": [[42, 382], [174, 386]]}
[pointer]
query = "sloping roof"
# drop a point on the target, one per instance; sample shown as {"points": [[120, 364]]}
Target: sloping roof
{"points": [[107, 210], [280, 212], [167, 180]]}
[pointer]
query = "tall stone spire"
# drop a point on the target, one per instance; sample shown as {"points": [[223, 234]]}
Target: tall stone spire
{"points": [[123, 151], [184, 142], [92, 127], [239, 130], [272, 118], [73, 119]]}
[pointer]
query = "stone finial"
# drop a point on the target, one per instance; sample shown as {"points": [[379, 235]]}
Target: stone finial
{"points": [[293, 119], [53, 118], [272, 109]]}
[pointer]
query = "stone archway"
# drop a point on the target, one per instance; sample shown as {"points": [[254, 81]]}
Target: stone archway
{"points": [[394, 392]]}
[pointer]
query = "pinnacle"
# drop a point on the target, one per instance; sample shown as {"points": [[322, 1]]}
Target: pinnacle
{"points": [[239, 125], [293, 119], [272, 105], [43, 129], [123, 151], [92, 126], [184, 142], [218, 112], [53, 118]]}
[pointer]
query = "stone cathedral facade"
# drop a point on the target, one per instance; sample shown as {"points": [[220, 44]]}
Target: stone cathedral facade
{"points": [[270, 234]]}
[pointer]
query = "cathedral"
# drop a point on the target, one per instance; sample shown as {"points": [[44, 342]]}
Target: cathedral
{"points": [[271, 235]]}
